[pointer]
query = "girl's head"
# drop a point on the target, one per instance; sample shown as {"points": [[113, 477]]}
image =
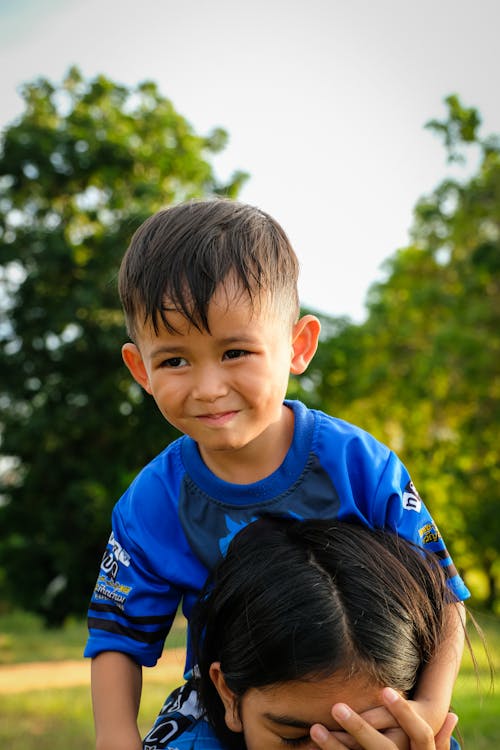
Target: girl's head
{"points": [[306, 613]]}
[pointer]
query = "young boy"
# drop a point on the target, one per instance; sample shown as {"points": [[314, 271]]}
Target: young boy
{"points": [[209, 291]]}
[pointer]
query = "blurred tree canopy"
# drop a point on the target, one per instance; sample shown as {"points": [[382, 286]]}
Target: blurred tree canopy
{"points": [[81, 168], [422, 373]]}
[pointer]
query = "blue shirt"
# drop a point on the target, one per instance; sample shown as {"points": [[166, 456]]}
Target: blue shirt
{"points": [[177, 518]]}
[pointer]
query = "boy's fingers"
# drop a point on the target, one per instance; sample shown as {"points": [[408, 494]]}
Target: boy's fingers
{"points": [[346, 740], [419, 732], [399, 738], [443, 737], [365, 735], [325, 739], [379, 717]]}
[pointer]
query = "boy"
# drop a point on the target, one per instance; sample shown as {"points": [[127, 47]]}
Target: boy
{"points": [[209, 291]]}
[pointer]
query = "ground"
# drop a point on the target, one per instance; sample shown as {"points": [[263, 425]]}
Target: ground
{"points": [[40, 675]]}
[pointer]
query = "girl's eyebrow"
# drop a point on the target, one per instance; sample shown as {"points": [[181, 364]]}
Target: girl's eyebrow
{"points": [[292, 721], [289, 721]]}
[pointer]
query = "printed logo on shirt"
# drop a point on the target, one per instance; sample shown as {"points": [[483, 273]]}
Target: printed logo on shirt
{"points": [[411, 499], [112, 557], [232, 529], [179, 712], [111, 591], [429, 533]]}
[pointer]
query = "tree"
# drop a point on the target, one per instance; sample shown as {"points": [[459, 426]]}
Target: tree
{"points": [[82, 167], [422, 371]]}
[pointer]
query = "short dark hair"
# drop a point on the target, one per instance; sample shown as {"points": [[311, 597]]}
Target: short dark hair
{"points": [[295, 600], [182, 254]]}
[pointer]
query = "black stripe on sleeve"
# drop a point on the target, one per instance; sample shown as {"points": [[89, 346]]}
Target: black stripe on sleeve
{"points": [[115, 610], [111, 626], [450, 569]]}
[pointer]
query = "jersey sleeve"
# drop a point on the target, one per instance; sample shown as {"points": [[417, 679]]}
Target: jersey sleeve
{"points": [[406, 514], [138, 588]]}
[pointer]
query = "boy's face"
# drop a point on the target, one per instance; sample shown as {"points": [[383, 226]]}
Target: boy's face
{"points": [[225, 389]]}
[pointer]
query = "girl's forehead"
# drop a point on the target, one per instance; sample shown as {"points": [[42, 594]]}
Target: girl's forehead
{"points": [[307, 702]]}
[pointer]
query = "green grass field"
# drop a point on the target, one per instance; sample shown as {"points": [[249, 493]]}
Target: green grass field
{"points": [[55, 719]]}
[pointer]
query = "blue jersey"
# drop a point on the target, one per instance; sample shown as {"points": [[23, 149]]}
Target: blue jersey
{"points": [[177, 518]]}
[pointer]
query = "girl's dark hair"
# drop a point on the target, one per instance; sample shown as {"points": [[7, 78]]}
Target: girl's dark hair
{"points": [[297, 600], [182, 254]]}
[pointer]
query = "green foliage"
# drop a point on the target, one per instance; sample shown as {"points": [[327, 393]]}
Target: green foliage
{"points": [[422, 372], [461, 127], [81, 168]]}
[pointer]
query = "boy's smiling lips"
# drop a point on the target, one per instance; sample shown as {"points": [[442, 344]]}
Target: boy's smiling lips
{"points": [[216, 418]]}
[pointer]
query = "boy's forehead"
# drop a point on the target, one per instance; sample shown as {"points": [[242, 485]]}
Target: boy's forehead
{"points": [[180, 313], [232, 292], [229, 295], [228, 307]]}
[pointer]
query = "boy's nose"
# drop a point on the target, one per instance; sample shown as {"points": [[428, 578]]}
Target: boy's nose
{"points": [[210, 385]]}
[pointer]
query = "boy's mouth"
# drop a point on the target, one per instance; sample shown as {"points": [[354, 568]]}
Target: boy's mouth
{"points": [[218, 418]]}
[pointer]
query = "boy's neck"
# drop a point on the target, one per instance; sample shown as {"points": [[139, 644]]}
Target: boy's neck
{"points": [[257, 460]]}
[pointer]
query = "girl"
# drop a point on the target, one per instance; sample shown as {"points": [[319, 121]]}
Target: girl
{"points": [[306, 626]]}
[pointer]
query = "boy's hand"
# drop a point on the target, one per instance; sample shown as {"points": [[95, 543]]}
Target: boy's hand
{"points": [[419, 734], [382, 719]]}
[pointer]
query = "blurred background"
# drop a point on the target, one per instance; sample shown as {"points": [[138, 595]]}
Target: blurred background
{"points": [[372, 133]]}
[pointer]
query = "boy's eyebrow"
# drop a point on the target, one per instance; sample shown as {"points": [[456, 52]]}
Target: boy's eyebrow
{"points": [[239, 339], [180, 348], [166, 349]]}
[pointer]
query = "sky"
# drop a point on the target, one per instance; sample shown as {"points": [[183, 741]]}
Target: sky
{"points": [[324, 101]]}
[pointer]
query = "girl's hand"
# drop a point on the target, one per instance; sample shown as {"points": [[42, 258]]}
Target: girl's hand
{"points": [[419, 733]]}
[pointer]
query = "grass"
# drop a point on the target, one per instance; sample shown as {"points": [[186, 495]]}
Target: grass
{"points": [[58, 719], [47, 720], [475, 700], [23, 638]]}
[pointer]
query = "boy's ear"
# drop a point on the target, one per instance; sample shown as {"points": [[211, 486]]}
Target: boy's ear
{"points": [[305, 337], [132, 358], [228, 698]]}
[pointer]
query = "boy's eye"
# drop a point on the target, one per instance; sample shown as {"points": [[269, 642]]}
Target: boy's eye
{"points": [[174, 362], [235, 353]]}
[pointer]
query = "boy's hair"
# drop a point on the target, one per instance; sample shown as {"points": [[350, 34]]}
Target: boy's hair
{"points": [[179, 256]]}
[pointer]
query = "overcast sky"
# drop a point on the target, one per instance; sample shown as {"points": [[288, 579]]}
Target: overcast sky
{"points": [[324, 102]]}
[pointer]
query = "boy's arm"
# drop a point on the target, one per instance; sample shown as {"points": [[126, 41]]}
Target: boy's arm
{"points": [[116, 681], [434, 689], [435, 686]]}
